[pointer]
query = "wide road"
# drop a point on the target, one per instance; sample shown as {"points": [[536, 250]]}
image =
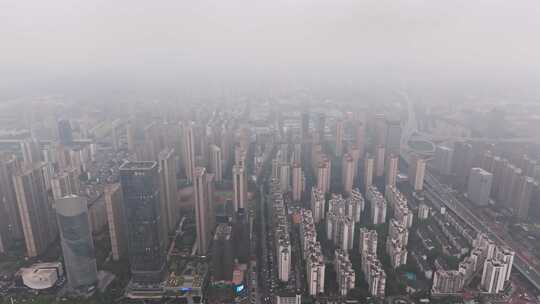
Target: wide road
{"points": [[441, 193]]}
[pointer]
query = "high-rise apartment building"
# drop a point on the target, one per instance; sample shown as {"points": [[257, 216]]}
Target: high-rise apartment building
{"points": [[312, 254], [188, 144], [65, 133], [321, 126], [340, 133], [347, 176], [216, 163], [398, 231], [443, 160], [323, 175], [423, 211], [282, 243], [367, 242], [374, 274], [35, 209], [340, 230], [340, 222], [393, 136], [318, 204], [204, 217], [399, 204], [345, 274], [493, 276], [417, 171], [297, 182], [144, 214], [479, 187], [169, 187], [447, 282], [380, 130], [240, 187], [115, 218], [304, 125], [360, 140], [355, 205], [391, 170], [523, 200], [397, 252], [77, 243], [285, 177], [30, 151], [379, 160], [378, 205], [369, 164], [462, 162]]}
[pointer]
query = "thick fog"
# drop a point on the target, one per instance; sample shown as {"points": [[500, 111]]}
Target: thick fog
{"points": [[82, 44]]}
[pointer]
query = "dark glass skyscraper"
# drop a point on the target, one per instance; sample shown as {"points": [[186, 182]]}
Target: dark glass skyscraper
{"points": [[222, 257], [65, 134], [76, 240], [144, 216]]}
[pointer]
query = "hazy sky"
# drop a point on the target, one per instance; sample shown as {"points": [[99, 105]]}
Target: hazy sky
{"points": [[166, 40]]}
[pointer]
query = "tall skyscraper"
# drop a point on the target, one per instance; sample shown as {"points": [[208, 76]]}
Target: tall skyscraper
{"points": [[355, 153], [379, 160], [240, 187], [339, 137], [204, 218], [35, 209], [462, 162], [369, 163], [360, 138], [114, 204], [393, 136], [169, 187], [77, 242], [189, 150], [391, 170], [223, 256], [417, 171], [304, 124], [347, 173], [479, 186], [380, 130], [147, 233], [216, 163], [321, 125], [65, 134], [153, 142]]}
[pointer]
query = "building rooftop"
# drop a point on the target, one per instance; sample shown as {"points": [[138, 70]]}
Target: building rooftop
{"points": [[138, 165]]}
